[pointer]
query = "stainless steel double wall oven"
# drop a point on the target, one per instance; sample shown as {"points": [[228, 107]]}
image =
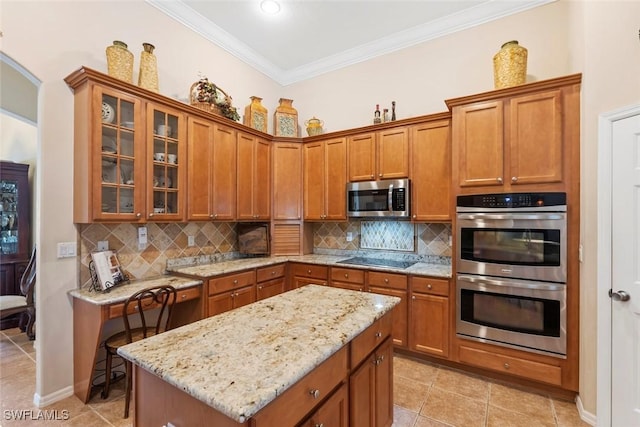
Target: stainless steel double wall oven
{"points": [[511, 270]]}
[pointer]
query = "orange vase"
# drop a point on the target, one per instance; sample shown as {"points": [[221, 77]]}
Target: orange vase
{"points": [[255, 115], [285, 119]]}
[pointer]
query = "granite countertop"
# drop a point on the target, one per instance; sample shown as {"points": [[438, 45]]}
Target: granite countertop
{"points": [[121, 292], [239, 361], [218, 268]]}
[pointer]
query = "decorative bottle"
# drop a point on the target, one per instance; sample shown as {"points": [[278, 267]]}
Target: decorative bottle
{"points": [[376, 115], [510, 65], [393, 111], [148, 78], [255, 115], [285, 119], [120, 61], [385, 115]]}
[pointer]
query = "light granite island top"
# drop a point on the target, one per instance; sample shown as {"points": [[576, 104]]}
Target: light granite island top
{"points": [[239, 361]]}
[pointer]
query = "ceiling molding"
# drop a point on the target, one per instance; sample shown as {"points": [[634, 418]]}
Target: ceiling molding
{"points": [[468, 18]]}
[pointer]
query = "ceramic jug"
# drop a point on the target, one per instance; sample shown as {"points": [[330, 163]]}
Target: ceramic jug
{"points": [[314, 126]]}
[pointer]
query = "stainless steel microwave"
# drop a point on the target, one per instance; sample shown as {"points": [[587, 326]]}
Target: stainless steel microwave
{"points": [[379, 199]]}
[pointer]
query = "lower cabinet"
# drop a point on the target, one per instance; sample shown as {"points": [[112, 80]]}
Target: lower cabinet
{"points": [[429, 316], [394, 285], [231, 291], [333, 412], [271, 281], [347, 278], [307, 274], [371, 389]]}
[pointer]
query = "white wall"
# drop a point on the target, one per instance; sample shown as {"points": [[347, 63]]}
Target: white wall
{"points": [[599, 39]]}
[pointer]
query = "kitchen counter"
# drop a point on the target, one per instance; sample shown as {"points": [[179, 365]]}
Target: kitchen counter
{"points": [[218, 268], [240, 361]]}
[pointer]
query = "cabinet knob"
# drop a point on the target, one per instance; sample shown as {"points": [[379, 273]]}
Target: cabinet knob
{"points": [[499, 179], [215, 215], [260, 287], [386, 280], [372, 176], [150, 215], [380, 175], [514, 179], [138, 215], [507, 366], [273, 273], [346, 275], [319, 425], [413, 297], [414, 216], [308, 271], [211, 216], [235, 281], [315, 393], [429, 286], [378, 334]]}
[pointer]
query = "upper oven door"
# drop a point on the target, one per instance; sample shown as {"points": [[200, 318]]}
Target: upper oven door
{"points": [[525, 245]]}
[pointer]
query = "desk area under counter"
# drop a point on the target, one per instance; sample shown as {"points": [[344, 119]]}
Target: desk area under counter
{"points": [[92, 310]]}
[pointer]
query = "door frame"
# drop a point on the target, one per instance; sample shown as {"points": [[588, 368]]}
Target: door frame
{"points": [[604, 245]]}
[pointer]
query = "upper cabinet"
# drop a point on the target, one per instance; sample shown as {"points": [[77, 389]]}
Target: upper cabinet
{"points": [[129, 154], [379, 155], [287, 180], [325, 180], [516, 139], [253, 178]]}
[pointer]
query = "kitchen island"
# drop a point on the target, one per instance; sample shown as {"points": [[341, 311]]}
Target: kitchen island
{"points": [[276, 362]]}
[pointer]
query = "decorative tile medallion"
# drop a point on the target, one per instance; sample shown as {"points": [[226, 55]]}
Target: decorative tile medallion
{"points": [[389, 235]]}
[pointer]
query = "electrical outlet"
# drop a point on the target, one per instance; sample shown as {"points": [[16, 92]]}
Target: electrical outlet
{"points": [[349, 236], [191, 241], [142, 238], [450, 240], [67, 249], [103, 245]]}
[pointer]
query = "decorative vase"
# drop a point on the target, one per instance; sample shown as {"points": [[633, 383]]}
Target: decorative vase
{"points": [[314, 126], [510, 65], [120, 61], [148, 77], [285, 121], [255, 115]]}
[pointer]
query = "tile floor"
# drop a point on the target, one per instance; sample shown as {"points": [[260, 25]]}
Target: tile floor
{"points": [[425, 395]]}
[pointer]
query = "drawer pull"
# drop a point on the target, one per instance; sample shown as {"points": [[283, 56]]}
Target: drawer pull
{"points": [[507, 366], [386, 280], [346, 275], [378, 360], [235, 281], [273, 273], [315, 393], [319, 425], [184, 296], [308, 271], [429, 286], [378, 334]]}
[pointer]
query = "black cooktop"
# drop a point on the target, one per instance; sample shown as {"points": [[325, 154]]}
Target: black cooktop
{"points": [[378, 262]]}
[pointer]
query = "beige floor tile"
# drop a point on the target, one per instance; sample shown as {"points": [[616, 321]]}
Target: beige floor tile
{"points": [[429, 422], [517, 400], [499, 417], [466, 385], [567, 414], [409, 394], [87, 419], [414, 370], [403, 417], [455, 409]]}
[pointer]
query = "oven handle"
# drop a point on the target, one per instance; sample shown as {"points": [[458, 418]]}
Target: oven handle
{"points": [[510, 282], [511, 216]]}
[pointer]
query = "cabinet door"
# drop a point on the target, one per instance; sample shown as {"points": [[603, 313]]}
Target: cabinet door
{"points": [[535, 138], [429, 325], [8, 285], [336, 179], [431, 171], [262, 180], [362, 157], [362, 394], [223, 166], [220, 303], [244, 296], [400, 315], [384, 385], [245, 189], [314, 181], [270, 288], [349, 286], [478, 143], [166, 165], [299, 282], [334, 412], [287, 181], [393, 153], [199, 162]]}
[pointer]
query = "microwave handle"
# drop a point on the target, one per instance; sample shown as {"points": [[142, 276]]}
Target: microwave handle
{"points": [[510, 282], [511, 216], [390, 198]]}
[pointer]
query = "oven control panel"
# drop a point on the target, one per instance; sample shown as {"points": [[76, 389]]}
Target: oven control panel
{"points": [[512, 200]]}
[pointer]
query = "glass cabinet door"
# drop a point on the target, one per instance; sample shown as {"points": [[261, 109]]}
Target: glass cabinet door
{"points": [[120, 165], [166, 150], [9, 195]]}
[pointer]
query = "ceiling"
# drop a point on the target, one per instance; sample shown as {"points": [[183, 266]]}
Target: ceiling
{"points": [[311, 37]]}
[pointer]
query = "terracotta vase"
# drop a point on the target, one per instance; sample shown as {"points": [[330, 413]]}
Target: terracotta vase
{"points": [[285, 119], [120, 61], [510, 65], [255, 115], [148, 77], [314, 126]]}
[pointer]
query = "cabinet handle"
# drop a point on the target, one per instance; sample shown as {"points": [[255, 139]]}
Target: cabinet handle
{"points": [[235, 281], [378, 334], [346, 275], [413, 297], [372, 176], [380, 175], [260, 287], [514, 179], [415, 216], [211, 216], [215, 215], [429, 286], [386, 280], [507, 366], [319, 425], [315, 393], [138, 215], [184, 296], [308, 271], [273, 273], [150, 215], [499, 179]]}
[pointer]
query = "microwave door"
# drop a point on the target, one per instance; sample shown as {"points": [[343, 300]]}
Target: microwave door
{"points": [[390, 199]]}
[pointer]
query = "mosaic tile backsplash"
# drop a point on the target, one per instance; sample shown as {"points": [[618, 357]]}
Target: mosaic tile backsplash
{"points": [[218, 241]]}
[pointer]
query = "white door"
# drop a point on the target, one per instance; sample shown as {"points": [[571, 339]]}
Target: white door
{"points": [[625, 272]]}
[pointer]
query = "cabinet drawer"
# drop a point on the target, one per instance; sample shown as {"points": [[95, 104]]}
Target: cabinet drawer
{"points": [[427, 285], [233, 281], [511, 365], [187, 294], [349, 275], [301, 398], [369, 339], [271, 272], [387, 280], [309, 270]]}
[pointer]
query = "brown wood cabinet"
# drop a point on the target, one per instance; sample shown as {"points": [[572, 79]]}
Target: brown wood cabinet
{"points": [[125, 142], [333, 412], [348, 278], [394, 285], [325, 179], [516, 139], [271, 281], [379, 155], [254, 178], [231, 291], [429, 316], [431, 169], [287, 181], [307, 274], [211, 164]]}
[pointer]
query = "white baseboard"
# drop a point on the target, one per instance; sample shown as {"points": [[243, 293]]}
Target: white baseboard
{"points": [[42, 401], [587, 417]]}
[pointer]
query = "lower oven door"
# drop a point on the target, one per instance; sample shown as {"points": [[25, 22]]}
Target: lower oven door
{"points": [[521, 314]]}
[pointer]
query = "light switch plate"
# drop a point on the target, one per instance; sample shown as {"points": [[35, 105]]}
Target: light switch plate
{"points": [[67, 249], [349, 236], [142, 238], [191, 241]]}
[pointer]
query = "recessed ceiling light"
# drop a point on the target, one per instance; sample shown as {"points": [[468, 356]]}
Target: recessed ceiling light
{"points": [[270, 6]]}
